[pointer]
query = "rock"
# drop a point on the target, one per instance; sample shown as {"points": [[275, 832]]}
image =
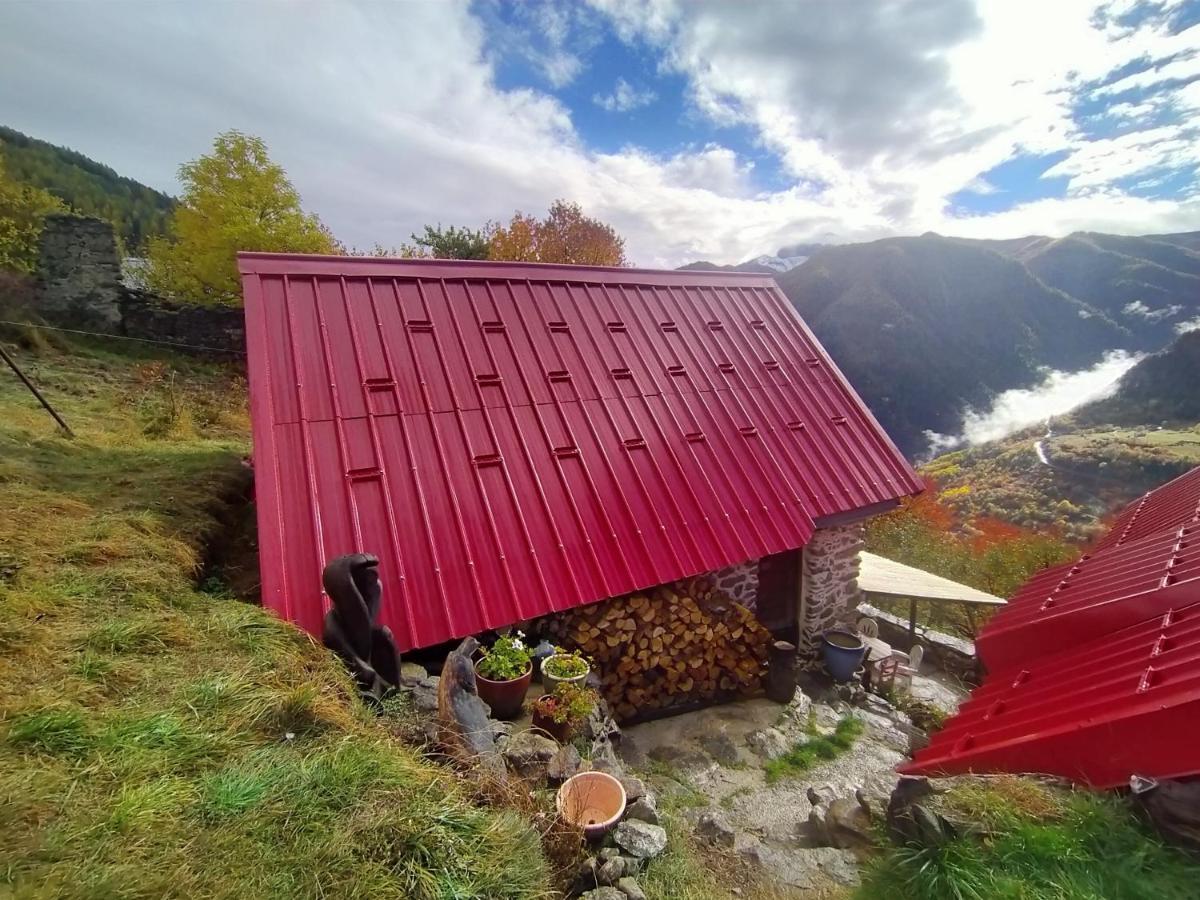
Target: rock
{"points": [[631, 752], [826, 716], [631, 889], [849, 823], [501, 729], [713, 828], [603, 893], [424, 694], [604, 758], [585, 875], [769, 743], [464, 723], [635, 788], [749, 848], [643, 809], [564, 765], [721, 748], [641, 839], [633, 865], [811, 869], [529, 754], [609, 853], [410, 671], [610, 871]]}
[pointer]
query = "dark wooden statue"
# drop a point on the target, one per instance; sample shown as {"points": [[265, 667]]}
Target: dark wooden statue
{"points": [[367, 649]]}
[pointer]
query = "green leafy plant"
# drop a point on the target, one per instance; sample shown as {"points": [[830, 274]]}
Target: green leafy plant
{"points": [[566, 664], [506, 659], [569, 703]]}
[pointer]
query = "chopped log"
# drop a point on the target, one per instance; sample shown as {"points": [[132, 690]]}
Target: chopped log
{"points": [[674, 645]]}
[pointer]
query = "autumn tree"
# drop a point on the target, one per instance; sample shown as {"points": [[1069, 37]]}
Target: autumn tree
{"points": [[23, 209], [566, 235], [234, 198]]}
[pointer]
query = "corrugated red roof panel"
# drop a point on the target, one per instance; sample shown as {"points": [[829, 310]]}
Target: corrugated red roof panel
{"points": [[1098, 712], [1094, 666], [514, 439]]}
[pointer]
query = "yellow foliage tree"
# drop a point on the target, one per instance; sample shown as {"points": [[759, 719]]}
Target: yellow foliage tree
{"points": [[23, 209], [566, 235], [234, 198]]}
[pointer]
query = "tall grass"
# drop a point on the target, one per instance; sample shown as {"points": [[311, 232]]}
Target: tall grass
{"points": [[1038, 843], [159, 741]]}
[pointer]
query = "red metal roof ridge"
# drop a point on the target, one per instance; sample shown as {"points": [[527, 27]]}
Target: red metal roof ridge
{"points": [[312, 263]]}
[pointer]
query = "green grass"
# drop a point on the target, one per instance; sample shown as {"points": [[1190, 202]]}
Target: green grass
{"points": [[815, 749], [157, 740], [1038, 842]]}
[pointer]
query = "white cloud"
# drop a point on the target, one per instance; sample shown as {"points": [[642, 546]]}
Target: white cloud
{"points": [[1140, 310], [1187, 325], [1057, 393], [624, 97], [391, 116]]}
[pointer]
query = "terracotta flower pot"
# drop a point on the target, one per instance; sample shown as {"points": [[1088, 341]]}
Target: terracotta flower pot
{"points": [[593, 801], [552, 681], [504, 697], [560, 731]]}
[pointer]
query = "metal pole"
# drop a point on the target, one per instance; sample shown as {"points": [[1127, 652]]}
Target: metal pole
{"points": [[29, 384], [912, 618]]}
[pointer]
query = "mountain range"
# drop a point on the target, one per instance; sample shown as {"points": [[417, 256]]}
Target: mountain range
{"points": [[928, 327]]}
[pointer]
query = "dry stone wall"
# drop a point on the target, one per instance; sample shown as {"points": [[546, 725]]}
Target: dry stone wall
{"points": [[830, 585], [79, 287]]}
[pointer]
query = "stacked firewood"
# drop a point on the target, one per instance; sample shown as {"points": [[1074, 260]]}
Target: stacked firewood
{"points": [[667, 646]]}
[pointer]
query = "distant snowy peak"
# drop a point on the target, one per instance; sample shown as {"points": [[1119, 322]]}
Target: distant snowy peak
{"points": [[777, 263]]}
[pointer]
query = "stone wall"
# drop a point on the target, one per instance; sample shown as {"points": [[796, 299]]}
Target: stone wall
{"points": [[830, 585], [79, 287]]}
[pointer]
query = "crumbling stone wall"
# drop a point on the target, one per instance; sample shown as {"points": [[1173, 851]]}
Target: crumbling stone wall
{"points": [[830, 585], [79, 287]]}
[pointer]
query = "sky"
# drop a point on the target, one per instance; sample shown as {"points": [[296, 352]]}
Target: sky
{"points": [[701, 129]]}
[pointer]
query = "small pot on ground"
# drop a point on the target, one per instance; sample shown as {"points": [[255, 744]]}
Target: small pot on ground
{"points": [[561, 714], [593, 801], [564, 668], [502, 676], [843, 653], [544, 722]]}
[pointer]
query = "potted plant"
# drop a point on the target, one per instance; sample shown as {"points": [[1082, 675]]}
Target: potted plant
{"points": [[563, 667], [560, 714], [502, 675]]}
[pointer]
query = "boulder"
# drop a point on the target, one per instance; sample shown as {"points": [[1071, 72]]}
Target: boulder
{"points": [[610, 871], [411, 671], [749, 848], [713, 828], [424, 693], [635, 788], [631, 889], [603, 893], [563, 765], [631, 752], [529, 754], [640, 839], [769, 743], [643, 809], [849, 823], [811, 869], [721, 748]]}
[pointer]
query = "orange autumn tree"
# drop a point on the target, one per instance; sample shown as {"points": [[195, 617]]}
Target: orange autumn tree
{"points": [[566, 235]]}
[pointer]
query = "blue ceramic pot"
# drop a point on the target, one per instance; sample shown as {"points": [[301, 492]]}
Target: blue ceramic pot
{"points": [[843, 652]]}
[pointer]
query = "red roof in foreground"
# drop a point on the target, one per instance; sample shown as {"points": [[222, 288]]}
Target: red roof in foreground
{"points": [[515, 439], [1095, 665]]}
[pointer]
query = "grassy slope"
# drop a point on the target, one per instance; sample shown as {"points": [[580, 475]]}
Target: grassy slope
{"points": [[159, 741], [1040, 843]]}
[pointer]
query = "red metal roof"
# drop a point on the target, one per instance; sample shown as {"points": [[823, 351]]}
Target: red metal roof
{"points": [[1094, 665], [514, 439], [1147, 563], [1123, 704]]}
